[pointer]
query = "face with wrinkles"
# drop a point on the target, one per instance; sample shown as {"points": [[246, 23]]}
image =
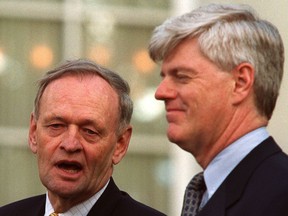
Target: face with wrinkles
{"points": [[75, 137], [197, 97]]}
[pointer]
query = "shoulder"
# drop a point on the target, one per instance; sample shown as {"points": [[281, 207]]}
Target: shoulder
{"points": [[132, 207], [266, 189], [267, 156], [257, 186], [275, 163], [273, 172], [265, 165], [33, 204], [118, 203]]}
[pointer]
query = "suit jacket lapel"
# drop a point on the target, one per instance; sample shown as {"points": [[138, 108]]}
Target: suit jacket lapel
{"points": [[35, 206], [233, 186], [108, 200], [41, 209], [216, 205]]}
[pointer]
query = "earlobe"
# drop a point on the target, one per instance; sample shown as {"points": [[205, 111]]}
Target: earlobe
{"points": [[244, 80], [122, 145], [32, 134]]}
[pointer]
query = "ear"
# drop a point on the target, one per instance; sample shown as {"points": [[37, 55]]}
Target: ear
{"points": [[244, 79], [122, 145], [32, 134]]}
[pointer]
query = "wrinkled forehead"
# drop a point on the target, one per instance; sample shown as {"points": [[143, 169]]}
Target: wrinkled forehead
{"points": [[89, 89]]}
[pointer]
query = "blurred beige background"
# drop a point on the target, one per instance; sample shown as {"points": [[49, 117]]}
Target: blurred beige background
{"points": [[35, 35]]}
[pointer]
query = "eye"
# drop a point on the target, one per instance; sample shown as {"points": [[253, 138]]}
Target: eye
{"points": [[55, 126], [89, 131], [91, 135], [55, 129], [181, 75]]}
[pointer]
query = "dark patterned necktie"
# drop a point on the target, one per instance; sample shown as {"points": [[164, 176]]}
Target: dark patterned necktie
{"points": [[193, 195]]}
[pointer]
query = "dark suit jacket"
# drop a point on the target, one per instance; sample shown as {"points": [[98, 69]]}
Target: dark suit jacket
{"points": [[258, 186], [112, 202]]}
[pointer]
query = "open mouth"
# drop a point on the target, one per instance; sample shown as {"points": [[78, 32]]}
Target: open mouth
{"points": [[70, 167]]}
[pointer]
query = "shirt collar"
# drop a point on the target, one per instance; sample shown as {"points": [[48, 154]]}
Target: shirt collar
{"points": [[221, 166], [81, 209]]}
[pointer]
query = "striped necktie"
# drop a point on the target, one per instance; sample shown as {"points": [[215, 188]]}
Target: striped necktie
{"points": [[53, 214]]}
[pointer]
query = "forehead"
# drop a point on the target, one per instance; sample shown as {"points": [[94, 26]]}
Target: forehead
{"points": [[186, 54], [186, 46], [89, 89], [77, 82]]}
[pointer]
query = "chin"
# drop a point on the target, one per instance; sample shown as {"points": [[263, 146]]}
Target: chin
{"points": [[175, 140], [173, 136], [179, 142], [66, 193], [63, 189]]}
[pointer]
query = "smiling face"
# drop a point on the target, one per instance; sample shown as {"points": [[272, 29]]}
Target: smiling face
{"points": [[75, 137], [197, 98]]}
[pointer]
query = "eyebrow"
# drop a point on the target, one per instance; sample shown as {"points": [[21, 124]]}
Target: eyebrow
{"points": [[53, 117], [179, 69]]}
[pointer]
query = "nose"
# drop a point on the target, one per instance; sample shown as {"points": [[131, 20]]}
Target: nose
{"points": [[165, 91], [71, 142]]}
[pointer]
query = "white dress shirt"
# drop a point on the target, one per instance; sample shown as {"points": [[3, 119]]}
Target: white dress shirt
{"points": [[221, 166], [81, 209]]}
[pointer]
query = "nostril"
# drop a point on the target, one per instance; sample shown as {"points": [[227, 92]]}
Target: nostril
{"points": [[159, 94], [71, 145], [165, 93]]}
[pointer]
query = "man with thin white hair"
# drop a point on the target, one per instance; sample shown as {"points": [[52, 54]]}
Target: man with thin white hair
{"points": [[79, 131], [221, 72]]}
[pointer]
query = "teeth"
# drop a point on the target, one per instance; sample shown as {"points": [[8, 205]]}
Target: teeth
{"points": [[71, 168], [71, 171]]}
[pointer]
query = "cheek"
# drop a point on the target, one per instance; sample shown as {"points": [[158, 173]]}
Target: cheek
{"points": [[44, 156], [44, 166], [99, 157], [45, 150]]}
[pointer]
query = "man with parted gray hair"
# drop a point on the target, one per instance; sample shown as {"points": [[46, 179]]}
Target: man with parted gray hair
{"points": [[221, 72]]}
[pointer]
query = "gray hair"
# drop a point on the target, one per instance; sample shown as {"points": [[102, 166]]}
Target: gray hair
{"points": [[229, 35], [83, 67]]}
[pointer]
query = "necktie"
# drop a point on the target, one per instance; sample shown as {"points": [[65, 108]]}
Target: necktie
{"points": [[53, 214], [193, 195]]}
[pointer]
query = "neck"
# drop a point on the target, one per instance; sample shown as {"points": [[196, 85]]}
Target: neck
{"points": [[240, 124], [61, 205]]}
